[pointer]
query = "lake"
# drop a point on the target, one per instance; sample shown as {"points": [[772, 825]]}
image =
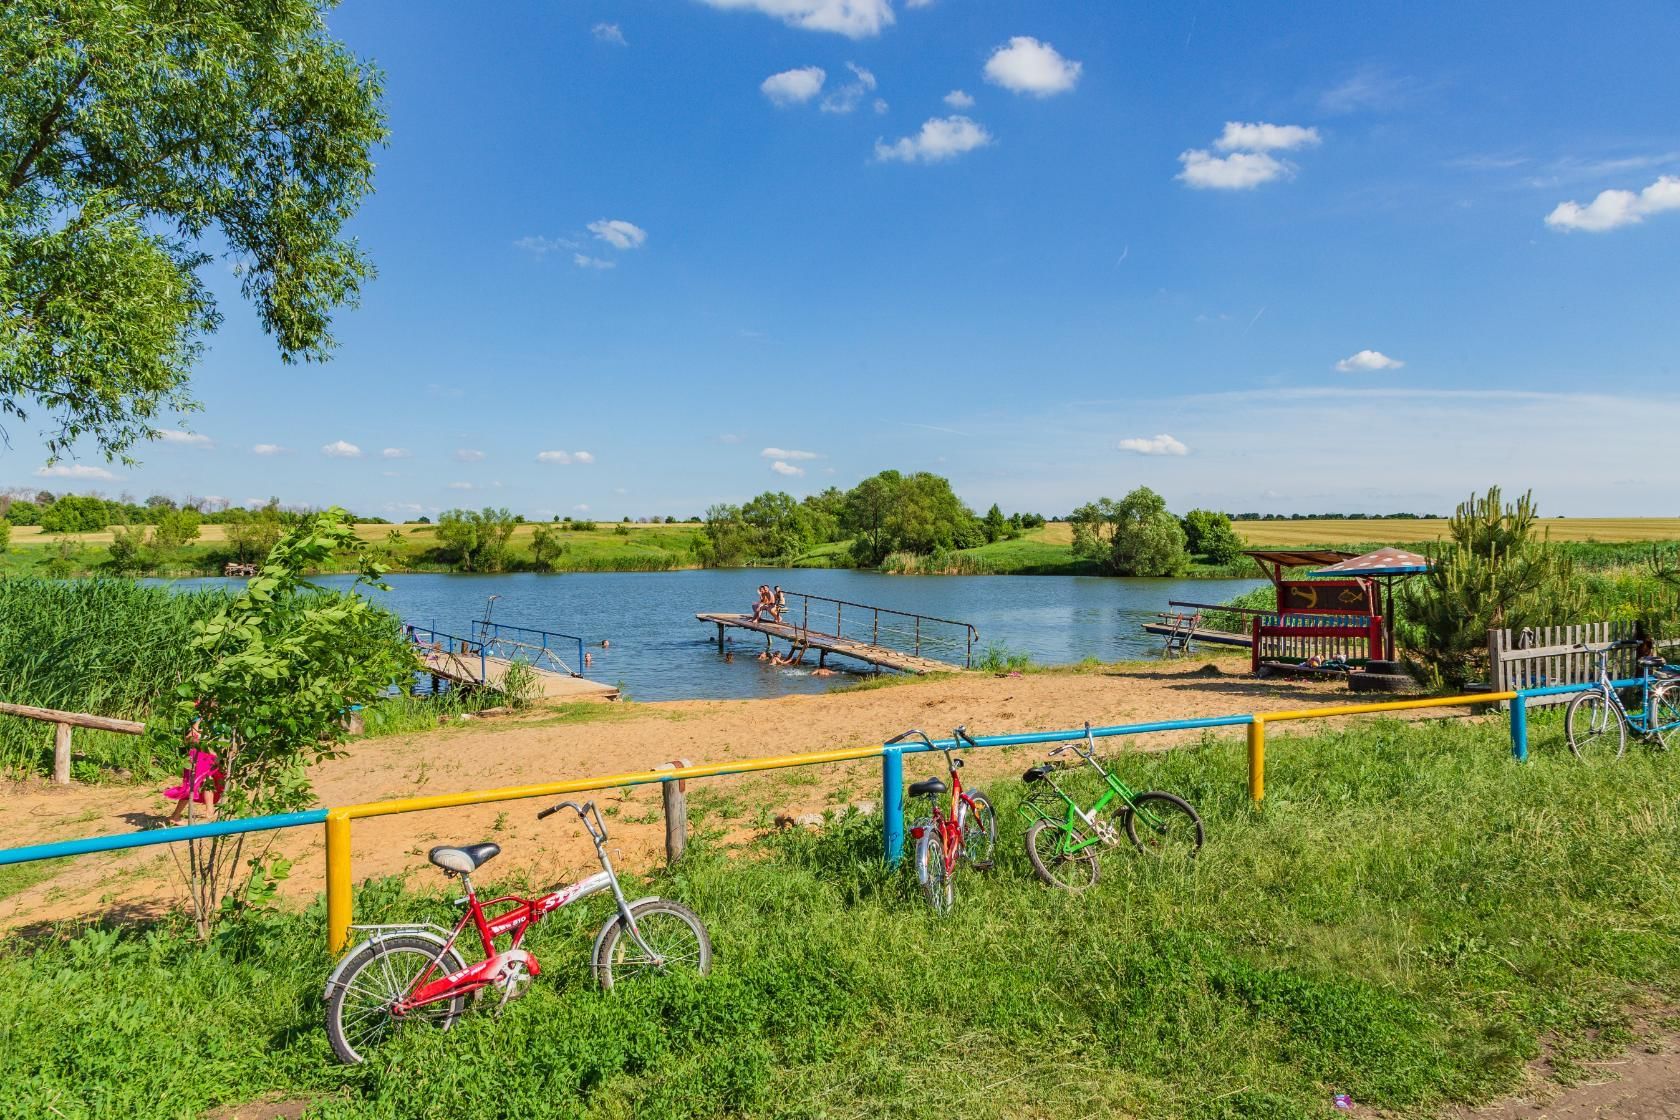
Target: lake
{"points": [[659, 651]]}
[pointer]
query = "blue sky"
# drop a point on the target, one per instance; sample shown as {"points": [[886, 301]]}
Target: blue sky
{"points": [[1256, 256]]}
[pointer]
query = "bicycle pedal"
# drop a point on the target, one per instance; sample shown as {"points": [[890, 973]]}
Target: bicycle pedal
{"points": [[984, 865]]}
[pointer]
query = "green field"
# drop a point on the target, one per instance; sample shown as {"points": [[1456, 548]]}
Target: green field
{"points": [[1412, 919]]}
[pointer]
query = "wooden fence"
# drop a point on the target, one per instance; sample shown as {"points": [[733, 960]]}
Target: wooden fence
{"points": [[1542, 656], [61, 733]]}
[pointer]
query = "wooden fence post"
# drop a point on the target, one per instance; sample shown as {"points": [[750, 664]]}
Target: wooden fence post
{"points": [[675, 794], [61, 753]]}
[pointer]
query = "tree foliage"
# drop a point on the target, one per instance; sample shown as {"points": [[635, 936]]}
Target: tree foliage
{"points": [[476, 540], [1209, 535], [288, 661], [1135, 536], [1496, 572], [547, 546], [134, 139]]}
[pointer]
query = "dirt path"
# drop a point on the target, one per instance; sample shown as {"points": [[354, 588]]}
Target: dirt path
{"points": [[608, 739], [1641, 1085]]}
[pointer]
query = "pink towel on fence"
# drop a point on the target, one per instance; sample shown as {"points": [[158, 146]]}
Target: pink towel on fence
{"points": [[201, 770]]}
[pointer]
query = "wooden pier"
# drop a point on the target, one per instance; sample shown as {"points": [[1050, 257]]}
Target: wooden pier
{"points": [[485, 660], [826, 644], [1215, 637]]}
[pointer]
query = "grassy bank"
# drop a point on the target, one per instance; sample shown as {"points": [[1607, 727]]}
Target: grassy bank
{"points": [[1411, 920]]}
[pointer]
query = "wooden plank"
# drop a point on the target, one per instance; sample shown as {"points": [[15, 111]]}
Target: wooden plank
{"points": [[862, 651], [74, 719]]}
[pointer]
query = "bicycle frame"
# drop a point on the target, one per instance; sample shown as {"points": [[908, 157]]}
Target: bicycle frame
{"points": [[1644, 721], [950, 828], [513, 922], [1100, 833]]}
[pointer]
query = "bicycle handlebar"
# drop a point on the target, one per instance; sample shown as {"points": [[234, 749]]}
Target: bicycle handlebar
{"points": [[914, 732], [597, 828], [961, 733]]}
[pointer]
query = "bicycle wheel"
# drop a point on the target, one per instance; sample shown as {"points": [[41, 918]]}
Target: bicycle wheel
{"points": [[1163, 825], [675, 933], [376, 975], [1665, 703], [979, 832], [1594, 727], [1048, 844], [938, 884]]}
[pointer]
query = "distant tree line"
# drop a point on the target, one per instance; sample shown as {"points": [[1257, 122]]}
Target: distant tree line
{"points": [[1335, 517]]}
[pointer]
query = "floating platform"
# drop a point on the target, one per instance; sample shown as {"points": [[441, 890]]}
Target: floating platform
{"points": [[1215, 637], [825, 644]]}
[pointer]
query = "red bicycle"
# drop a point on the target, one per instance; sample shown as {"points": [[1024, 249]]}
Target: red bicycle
{"points": [[414, 973], [943, 840]]}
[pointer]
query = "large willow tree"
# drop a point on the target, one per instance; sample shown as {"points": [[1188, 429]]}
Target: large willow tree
{"points": [[140, 139]]}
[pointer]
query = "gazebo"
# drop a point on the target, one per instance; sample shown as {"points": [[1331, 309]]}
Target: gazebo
{"points": [[1387, 565]]}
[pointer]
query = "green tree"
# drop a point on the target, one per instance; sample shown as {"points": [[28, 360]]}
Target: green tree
{"points": [[777, 526], [868, 509], [824, 513], [547, 546], [137, 138], [253, 535], [1209, 535], [128, 549], [287, 661], [1148, 540], [928, 517], [176, 529], [995, 525], [1497, 572], [476, 541], [23, 513], [725, 539], [1094, 524], [75, 513]]}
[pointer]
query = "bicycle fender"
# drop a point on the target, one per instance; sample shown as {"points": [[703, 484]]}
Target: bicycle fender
{"points": [[344, 961], [601, 938]]}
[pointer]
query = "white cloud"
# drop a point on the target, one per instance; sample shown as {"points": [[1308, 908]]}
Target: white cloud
{"points": [[185, 439], [957, 99], [341, 449], [779, 453], [850, 95], [396, 453], [80, 471], [540, 246], [1162, 444], [1238, 171], [880, 105], [462, 486], [1368, 361], [855, 19], [609, 33], [563, 458], [1615, 208], [619, 233], [582, 507], [794, 87], [583, 260], [469, 455], [729, 437], [941, 138], [1262, 137], [787, 470], [1029, 66], [267, 449]]}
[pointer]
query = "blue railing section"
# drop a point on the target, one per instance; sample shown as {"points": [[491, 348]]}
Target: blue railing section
{"points": [[464, 650], [540, 647], [158, 836]]}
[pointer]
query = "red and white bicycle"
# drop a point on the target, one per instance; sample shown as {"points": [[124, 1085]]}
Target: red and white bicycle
{"points": [[414, 973]]}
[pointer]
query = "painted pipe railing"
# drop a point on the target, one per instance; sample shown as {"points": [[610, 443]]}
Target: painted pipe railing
{"points": [[525, 641], [337, 821]]}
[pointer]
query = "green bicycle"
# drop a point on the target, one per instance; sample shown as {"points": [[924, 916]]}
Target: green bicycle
{"points": [[1065, 842]]}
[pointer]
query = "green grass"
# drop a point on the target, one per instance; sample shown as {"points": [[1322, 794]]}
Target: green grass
{"points": [[1411, 919]]}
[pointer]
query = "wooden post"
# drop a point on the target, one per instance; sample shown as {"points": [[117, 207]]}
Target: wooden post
{"points": [[720, 637], [676, 812], [61, 753]]}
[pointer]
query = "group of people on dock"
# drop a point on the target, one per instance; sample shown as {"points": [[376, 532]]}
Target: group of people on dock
{"points": [[772, 602]]}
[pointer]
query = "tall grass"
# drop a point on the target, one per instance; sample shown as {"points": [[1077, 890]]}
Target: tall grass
{"points": [[107, 647], [1406, 921], [942, 562]]}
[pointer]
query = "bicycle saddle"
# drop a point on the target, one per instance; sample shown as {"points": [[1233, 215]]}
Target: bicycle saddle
{"points": [[1036, 774], [933, 787], [1651, 662], [464, 858]]}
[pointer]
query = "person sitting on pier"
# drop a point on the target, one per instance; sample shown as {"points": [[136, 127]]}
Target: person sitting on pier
{"points": [[766, 603], [780, 607]]}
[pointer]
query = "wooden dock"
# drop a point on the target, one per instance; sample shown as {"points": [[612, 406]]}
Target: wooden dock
{"points": [[471, 670], [1214, 637], [825, 644]]}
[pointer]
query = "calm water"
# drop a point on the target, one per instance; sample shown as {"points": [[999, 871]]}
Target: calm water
{"points": [[660, 652]]}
